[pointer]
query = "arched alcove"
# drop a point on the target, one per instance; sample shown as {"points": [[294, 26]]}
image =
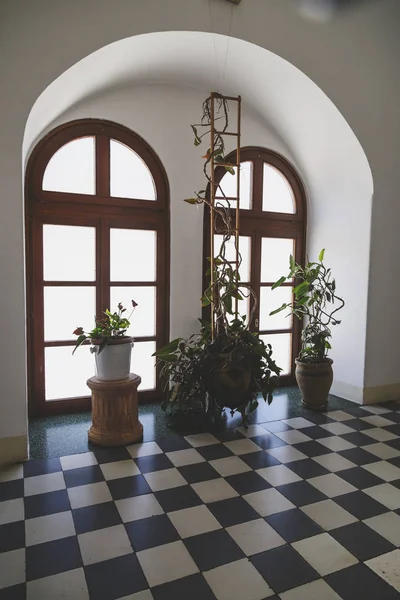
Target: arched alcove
{"points": [[317, 138]]}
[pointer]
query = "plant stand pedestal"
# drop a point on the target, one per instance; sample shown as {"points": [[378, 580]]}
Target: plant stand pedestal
{"points": [[115, 411]]}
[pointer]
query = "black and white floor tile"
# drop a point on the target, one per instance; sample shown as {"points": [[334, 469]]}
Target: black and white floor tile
{"points": [[303, 508]]}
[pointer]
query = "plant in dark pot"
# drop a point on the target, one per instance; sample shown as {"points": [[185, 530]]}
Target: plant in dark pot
{"points": [[203, 375], [110, 344], [226, 364], [314, 300]]}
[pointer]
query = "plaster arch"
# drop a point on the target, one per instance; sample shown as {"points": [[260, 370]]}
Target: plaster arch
{"points": [[316, 137]]}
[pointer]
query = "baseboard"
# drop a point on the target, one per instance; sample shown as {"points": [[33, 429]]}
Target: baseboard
{"points": [[347, 391], [382, 393], [13, 449], [372, 395]]}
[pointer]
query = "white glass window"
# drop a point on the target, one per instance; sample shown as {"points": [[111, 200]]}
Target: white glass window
{"points": [[275, 254], [228, 186], [72, 168], [130, 177], [281, 349], [269, 301], [69, 253], [133, 255], [277, 192], [143, 363], [66, 374], [143, 320]]}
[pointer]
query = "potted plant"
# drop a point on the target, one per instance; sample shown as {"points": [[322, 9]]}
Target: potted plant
{"points": [[110, 344], [203, 375], [226, 364], [316, 301]]}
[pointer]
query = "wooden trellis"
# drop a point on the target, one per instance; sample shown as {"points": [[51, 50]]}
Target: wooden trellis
{"points": [[216, 137]]}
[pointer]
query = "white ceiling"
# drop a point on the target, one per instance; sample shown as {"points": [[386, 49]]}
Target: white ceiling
{"points": [[270, 86]]}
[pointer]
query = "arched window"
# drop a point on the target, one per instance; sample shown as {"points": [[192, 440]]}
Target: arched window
{"points": [[272, 226], [97, 216]]}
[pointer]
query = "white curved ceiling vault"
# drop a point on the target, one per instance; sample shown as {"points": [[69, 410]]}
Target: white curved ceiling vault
{"points": [[327, 153], [269, 85]]}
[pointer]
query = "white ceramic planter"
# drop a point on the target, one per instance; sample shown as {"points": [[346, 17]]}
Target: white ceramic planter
{"points": [[114, 361]]}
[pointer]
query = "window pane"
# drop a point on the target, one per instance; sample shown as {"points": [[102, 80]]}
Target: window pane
{"points": [[230, 253], [269, 301], [69, 253], [66, 375], [65, 309], [72, 168], [143, 364], [130, 177], [133, 255], [281, 349], [143, 320], [228, 186], [277, 192], [275, 253]]}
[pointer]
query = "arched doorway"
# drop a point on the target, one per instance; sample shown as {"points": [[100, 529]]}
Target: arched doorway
{"points": [[97, 216]]}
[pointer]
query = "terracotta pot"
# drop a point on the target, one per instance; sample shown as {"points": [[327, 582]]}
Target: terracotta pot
{"points": [[114, 361], [314, 381]]}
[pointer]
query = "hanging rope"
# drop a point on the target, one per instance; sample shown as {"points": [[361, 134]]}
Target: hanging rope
{"points": [[229, 40], [213, 36]]}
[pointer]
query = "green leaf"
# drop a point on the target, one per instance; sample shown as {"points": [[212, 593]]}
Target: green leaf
{"points": [[277, 310], [321, 255], [197, 140], [205, 301], [79, 341], [227, 300], [191, 200], [302, 301], [103, 344], [171, 347], [301, 289], [278, 283], [292, 262], [230, 170], [168, 358]]}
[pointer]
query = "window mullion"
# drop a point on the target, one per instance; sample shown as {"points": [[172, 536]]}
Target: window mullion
{"points": [[104, 266], [257, 190], [102, 165]]}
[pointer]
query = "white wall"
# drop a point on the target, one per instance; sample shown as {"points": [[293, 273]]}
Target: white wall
{"points": [[162, 116], [354, 59]]}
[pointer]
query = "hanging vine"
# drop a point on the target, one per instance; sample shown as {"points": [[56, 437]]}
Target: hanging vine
{"points": [[225, 287], [226, 364]]}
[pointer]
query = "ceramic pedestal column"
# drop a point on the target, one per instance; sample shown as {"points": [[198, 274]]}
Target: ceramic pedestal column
{"points": [[115, 411]]}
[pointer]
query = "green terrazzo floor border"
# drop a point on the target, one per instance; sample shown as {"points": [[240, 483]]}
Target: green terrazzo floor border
{"points": [[63, 435]]}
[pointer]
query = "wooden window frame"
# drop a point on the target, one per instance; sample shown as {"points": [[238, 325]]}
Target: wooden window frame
{"points": [[272, 224], [104, 212]]}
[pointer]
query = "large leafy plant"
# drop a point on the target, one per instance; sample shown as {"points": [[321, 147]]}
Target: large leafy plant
{"points": [[314, 300], [199, 372], [111, 326]]}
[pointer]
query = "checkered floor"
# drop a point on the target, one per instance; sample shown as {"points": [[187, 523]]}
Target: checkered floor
{"points": [[297, 509]]}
